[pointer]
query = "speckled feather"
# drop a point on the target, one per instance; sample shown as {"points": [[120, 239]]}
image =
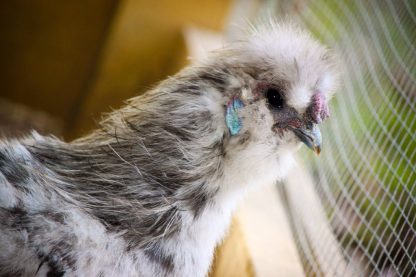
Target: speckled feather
{"points": [[152, 190]]}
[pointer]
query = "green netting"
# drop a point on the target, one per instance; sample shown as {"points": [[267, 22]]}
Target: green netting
{"points": [[365, 179]]}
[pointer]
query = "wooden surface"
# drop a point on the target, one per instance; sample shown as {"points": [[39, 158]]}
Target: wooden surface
{"points": [[232, 258], [74, 59], [48, 50], [145, 45], [267, 232]]}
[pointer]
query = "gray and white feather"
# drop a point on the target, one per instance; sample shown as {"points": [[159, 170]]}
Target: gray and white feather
{"points": [[151, 192]]}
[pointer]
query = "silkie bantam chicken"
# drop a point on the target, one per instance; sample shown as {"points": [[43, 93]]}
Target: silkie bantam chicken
{"points": [[151, 192]]}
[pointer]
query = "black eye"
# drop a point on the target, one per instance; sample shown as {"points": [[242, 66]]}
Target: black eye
{"points": [[274, 96]]}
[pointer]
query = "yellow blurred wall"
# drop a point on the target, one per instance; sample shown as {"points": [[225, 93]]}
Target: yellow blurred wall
{"points": [[76, 59]]}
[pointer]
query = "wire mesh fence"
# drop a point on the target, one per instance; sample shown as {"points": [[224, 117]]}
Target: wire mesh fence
{"points": [[364, 182]]}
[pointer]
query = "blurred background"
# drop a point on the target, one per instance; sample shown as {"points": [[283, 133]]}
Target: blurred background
{"points": [[350, 212], [73, 60]]}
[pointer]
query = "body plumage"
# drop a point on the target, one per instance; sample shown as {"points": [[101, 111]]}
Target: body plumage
{"points": [[152, 190]]}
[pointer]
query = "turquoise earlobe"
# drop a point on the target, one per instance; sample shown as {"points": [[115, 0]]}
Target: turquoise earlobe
{"points": [[234, 123]]}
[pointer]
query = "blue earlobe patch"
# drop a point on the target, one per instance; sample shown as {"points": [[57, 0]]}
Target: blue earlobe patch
{"points": [[234, 123]]}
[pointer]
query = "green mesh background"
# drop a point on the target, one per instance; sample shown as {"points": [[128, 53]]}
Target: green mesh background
{"points": [[365, 179]]}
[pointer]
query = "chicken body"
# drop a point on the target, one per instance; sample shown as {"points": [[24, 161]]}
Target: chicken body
{"points": [[151, 192]]}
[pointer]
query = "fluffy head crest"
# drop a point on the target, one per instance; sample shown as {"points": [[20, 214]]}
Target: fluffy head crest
{"points": [[290, 56]]}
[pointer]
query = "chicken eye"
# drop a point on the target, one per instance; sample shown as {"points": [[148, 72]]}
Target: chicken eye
{"points": [[275, 98]]}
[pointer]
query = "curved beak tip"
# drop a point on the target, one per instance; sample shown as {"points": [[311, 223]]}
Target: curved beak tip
{"points": [[311, 137], [317, 149]]}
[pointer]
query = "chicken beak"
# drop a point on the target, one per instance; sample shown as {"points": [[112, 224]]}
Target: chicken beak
{"points": [[310, 136]]}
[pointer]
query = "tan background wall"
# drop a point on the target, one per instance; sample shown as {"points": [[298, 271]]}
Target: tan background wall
{"points": [[49, 49], [75, 59]]}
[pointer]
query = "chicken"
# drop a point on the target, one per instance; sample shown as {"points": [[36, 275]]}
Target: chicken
{"points": [[152, 190]]}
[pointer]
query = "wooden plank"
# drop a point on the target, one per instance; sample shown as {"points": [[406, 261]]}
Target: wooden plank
{"points": [[48, 49], [145, 46], [232, 258]]}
